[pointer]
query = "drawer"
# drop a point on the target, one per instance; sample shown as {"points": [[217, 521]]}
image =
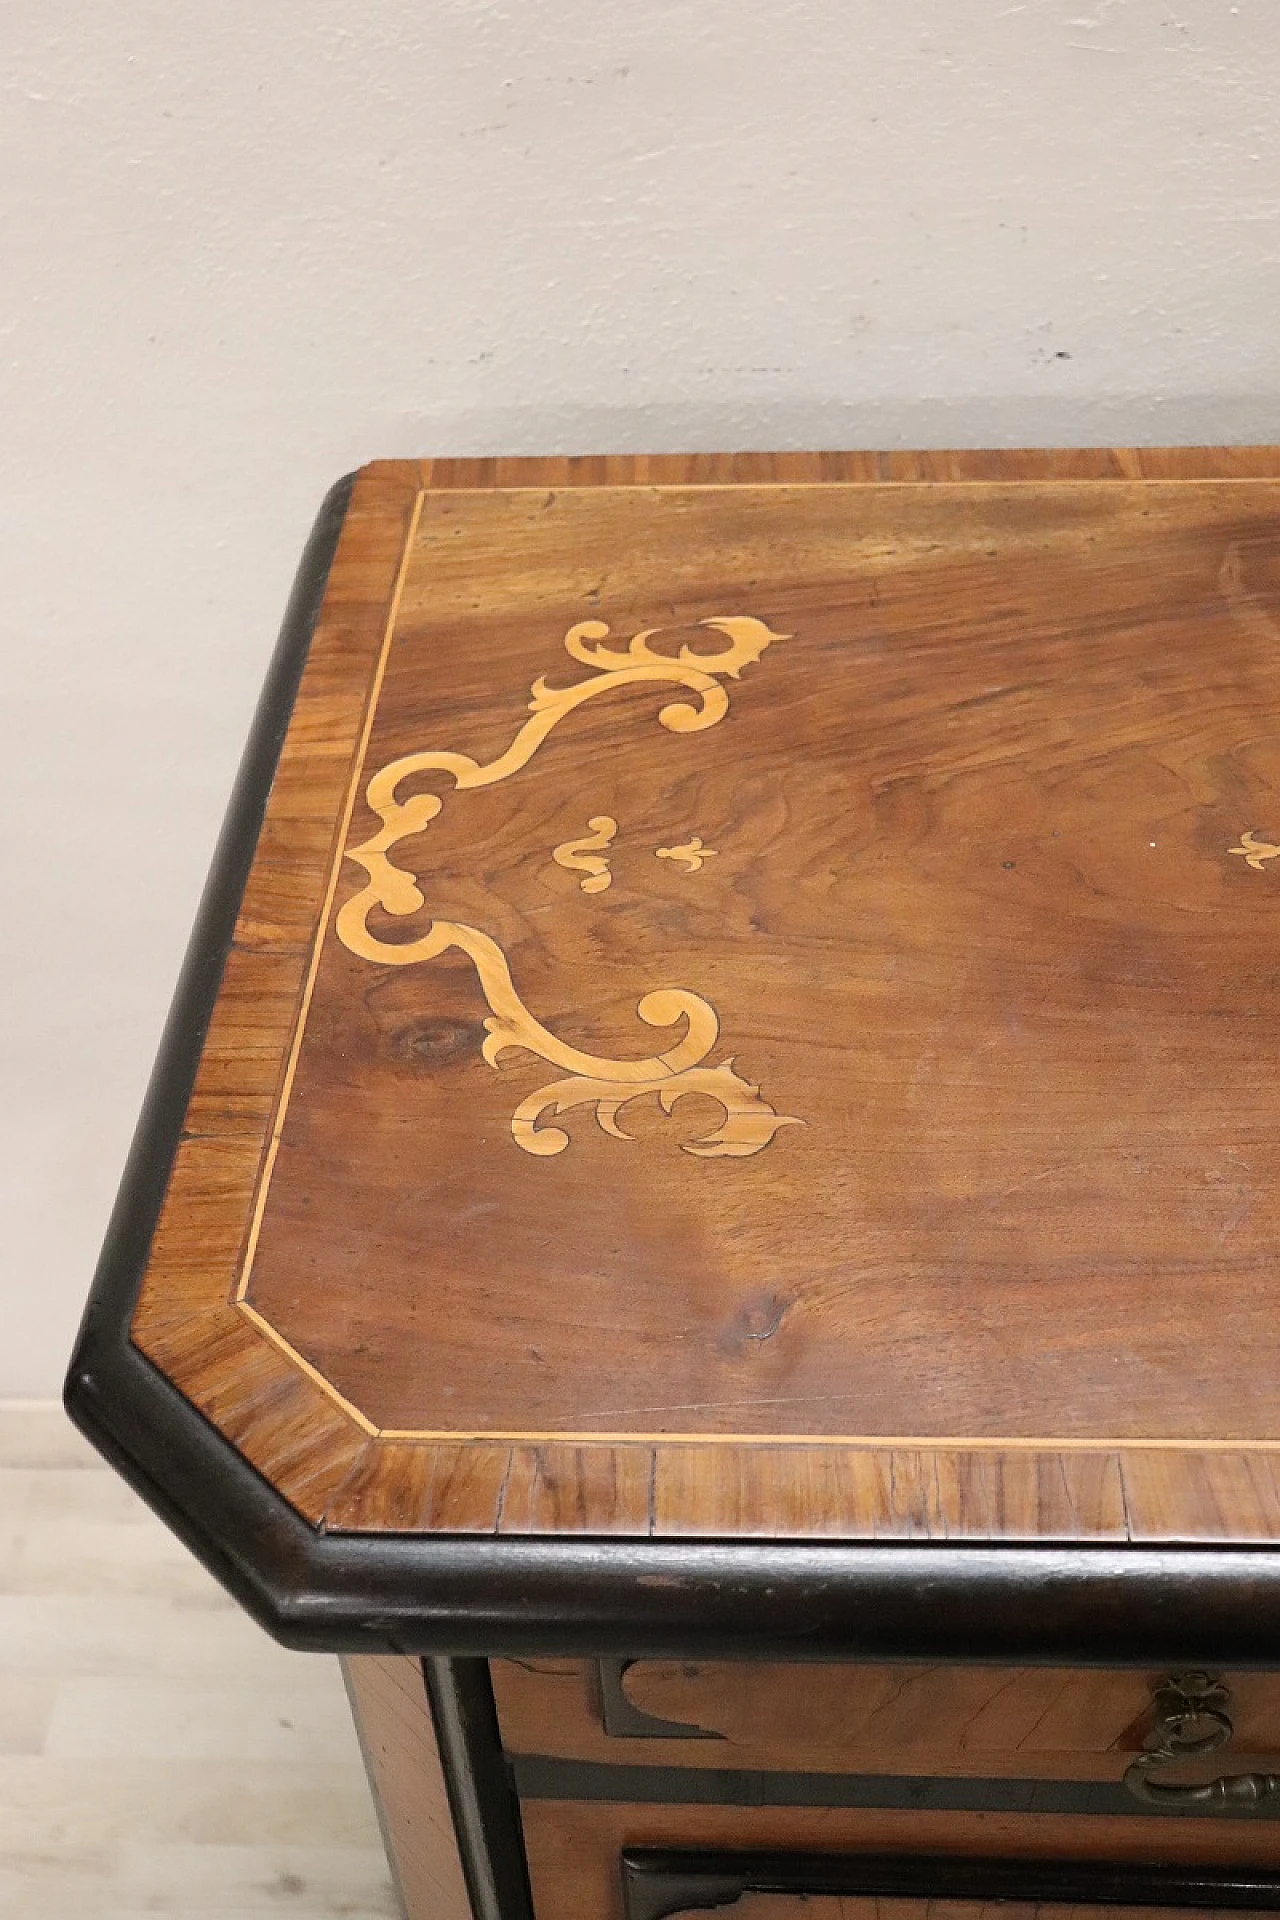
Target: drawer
{"points": [[781, 1905], [995, 1722], [576, 1849], [764, 1886]]}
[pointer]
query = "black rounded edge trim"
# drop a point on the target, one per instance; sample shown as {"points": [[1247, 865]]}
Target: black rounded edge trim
{"points": [[616, 1598], [635, 1598], [660, 1884], [116, 1398]]}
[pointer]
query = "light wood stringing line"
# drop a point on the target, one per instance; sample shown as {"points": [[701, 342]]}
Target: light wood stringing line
{"points": [[295, 1048]]}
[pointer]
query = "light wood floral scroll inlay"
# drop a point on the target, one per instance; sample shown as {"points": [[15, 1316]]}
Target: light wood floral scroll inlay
{"points": [[591, 1080], [691, 854]]}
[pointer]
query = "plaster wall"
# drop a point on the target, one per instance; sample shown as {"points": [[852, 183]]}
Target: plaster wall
{"points": [[248, 246]]}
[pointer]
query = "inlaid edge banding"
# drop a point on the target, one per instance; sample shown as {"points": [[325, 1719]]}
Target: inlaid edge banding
{"points": [[300, 1023]]}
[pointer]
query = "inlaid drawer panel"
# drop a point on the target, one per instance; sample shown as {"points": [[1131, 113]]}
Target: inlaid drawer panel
{"points": [[847, 1907], [844, 1906], [994, 1722], [931, 1886], [575, 1849], [916, 1886]]}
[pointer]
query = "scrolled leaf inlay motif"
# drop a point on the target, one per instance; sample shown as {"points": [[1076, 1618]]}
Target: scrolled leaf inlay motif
{"points": [[750, 1122]]}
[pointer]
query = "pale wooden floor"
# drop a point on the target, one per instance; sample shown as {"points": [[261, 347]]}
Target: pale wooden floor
{"points": [[158, 1754]]}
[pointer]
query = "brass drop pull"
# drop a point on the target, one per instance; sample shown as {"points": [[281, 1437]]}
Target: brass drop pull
{"points": [[1192, 1718]]}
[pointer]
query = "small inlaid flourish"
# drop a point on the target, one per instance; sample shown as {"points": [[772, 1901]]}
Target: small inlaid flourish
{"points": [[1254, 851], [583, 855], [749, 1122], [690, 853]]}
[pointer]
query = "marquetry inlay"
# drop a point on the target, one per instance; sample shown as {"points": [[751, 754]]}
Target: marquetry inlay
{"points": [[585, 856], [927, 851], [690, 854], [592, 1080], [1254, 851]]}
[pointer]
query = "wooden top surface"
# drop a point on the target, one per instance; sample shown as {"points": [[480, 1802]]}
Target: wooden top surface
{"points": [[755, 1011]]}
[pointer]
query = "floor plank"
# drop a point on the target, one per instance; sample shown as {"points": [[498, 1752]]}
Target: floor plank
{"points": [[159, 1755]]}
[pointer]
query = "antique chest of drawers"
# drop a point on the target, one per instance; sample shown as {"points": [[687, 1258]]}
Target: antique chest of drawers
{"points": [[707, 1215]]}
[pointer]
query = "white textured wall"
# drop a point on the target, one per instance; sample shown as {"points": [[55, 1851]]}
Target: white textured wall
{"points": [[248, 245]]}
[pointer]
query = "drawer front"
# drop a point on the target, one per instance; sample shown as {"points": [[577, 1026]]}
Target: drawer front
{"points": [[764, 1886], [575, 1849], [843, 1906], [993, 1722], [918, 1886]]}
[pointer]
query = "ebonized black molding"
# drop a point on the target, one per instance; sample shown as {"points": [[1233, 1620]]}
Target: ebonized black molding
{"points": [[614, 1598], [486, 1815], [657, 1885], [622, 1721], [537, 1778]]}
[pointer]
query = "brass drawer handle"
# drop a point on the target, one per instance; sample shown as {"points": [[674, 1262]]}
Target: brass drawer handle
{"points": [[1192, 1718]]}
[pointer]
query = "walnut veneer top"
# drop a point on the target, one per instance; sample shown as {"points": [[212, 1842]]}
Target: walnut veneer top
{"points": [[755, 1010]]}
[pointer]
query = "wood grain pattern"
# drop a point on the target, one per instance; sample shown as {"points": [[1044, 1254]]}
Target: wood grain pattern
{"points": [[1007, 1723], [1040, 682], [574, 1848], [159, 1754], [1029, 1720], [389, 1703]]}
